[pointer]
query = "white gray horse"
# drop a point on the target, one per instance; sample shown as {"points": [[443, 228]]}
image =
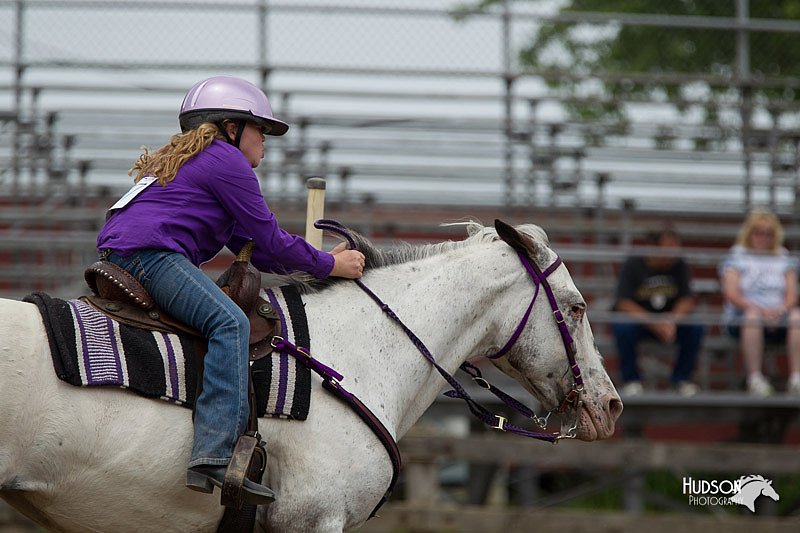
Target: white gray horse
{"points": [[100, 459]]}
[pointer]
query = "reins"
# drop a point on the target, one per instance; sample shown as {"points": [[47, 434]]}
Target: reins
{"points": [[479, 411]]}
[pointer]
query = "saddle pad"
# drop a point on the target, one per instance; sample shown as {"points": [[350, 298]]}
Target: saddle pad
{"points": [[90, 349]]}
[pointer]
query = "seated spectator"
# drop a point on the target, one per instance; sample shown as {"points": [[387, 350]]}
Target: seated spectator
{"points": [[759, 283], [654, 292]]}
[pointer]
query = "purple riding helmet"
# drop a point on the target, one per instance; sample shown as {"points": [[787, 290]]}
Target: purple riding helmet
{"points": [[225, 97]]}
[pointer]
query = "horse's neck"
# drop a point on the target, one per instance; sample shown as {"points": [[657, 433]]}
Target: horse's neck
{"points": [[446, 301]]}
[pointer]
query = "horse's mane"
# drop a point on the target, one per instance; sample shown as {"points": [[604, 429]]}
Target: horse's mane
{"points": [[404, 252]]}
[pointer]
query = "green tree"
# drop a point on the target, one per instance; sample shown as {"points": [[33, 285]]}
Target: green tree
{"points": [[600, 66]]}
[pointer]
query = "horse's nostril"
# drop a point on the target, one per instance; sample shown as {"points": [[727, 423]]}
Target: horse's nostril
{"points": [[615, 408]]}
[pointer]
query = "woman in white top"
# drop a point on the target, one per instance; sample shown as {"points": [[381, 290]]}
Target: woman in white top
{"points": [[759, 283]]}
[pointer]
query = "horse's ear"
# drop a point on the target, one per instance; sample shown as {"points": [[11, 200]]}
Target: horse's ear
{"points": [[510, 235]]}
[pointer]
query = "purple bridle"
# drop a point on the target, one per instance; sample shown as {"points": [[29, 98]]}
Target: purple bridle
{"points": [[571, 399]]}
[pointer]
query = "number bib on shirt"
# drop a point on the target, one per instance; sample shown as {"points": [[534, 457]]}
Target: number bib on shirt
{"points": [[133, 192]]}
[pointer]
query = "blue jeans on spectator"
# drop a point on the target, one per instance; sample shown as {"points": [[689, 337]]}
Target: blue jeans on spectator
{"points": [[187, 294], [628, 335]]}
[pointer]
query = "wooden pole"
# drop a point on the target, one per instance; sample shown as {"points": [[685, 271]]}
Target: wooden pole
{"points": [[315, 210]]}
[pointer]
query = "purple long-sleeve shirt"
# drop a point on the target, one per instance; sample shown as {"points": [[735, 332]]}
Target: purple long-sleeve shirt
{"points": [[214, 201]]}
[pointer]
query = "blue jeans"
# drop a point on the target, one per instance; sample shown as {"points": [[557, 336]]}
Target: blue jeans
{"points": [[628, 335], [187, 294]]}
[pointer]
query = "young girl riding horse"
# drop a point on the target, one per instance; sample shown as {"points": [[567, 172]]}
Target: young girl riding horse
{"points": [[194, 196]]}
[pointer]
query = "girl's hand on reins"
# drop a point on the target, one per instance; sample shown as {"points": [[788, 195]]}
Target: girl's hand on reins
{"points": [[347, 263]]}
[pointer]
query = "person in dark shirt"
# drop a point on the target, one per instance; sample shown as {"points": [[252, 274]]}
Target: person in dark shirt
{"points": [[654, 291]]}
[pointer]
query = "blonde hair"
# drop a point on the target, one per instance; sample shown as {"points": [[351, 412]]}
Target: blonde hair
{"points": [[165, 162], [755, 218]]}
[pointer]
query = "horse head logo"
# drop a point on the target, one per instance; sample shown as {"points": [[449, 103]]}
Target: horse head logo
{"points": [[750, 488]]}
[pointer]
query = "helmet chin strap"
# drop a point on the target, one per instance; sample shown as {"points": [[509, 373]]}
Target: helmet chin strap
{"points": [[239, 131]]}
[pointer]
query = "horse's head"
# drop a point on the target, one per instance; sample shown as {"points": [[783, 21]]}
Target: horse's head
{"points": [[539, 358], [758, 486]]}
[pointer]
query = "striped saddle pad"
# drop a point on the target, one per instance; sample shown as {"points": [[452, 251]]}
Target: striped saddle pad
{"points": [[90, 349]]}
